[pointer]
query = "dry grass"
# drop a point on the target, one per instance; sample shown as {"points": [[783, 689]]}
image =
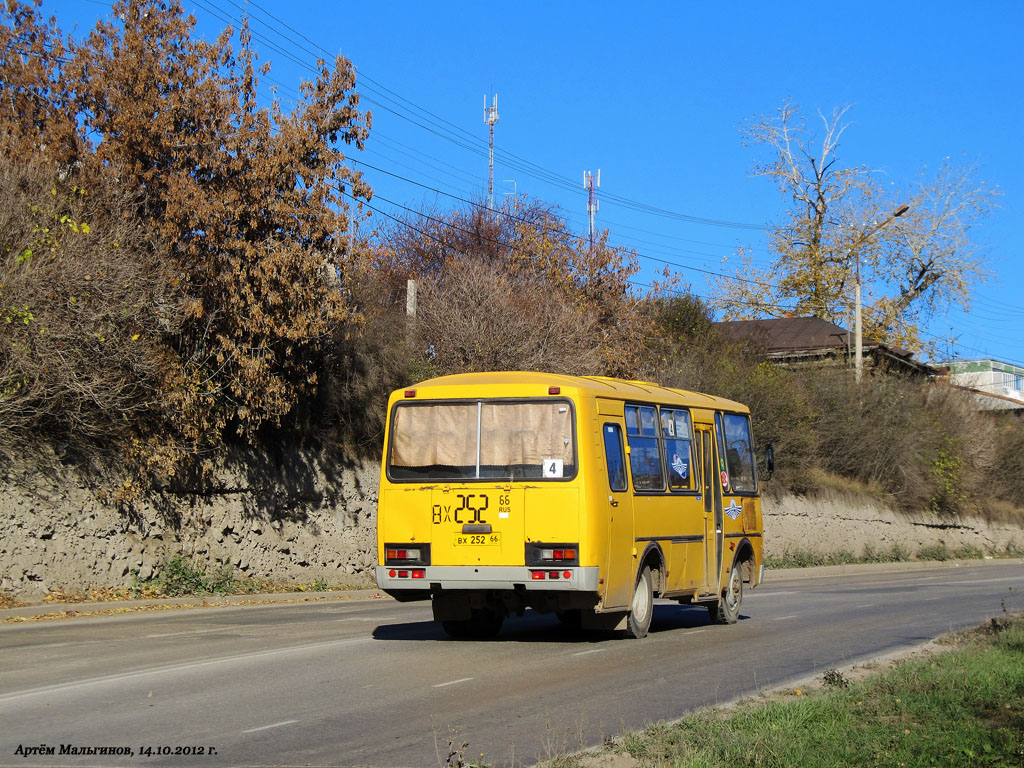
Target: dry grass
{"points": [[8, 601], [999, 511]]}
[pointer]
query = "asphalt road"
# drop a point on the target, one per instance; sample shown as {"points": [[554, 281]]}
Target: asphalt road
{"points": [[376, 683]]}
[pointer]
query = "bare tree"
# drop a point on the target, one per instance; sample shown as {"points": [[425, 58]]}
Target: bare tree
{"points": [[919, 265], [479, 316]]}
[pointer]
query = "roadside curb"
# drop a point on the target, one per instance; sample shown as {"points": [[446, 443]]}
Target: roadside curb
{"points": [[70, 610]]}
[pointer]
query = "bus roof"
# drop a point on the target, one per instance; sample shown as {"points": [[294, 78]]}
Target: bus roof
{"points": [[528, 384]]}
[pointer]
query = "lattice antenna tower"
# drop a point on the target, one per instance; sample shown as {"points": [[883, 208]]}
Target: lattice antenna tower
{"points": [[490, 118], [591, 183]]}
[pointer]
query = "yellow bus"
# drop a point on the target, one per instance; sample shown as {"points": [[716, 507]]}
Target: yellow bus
{"points": [[586, 496]]}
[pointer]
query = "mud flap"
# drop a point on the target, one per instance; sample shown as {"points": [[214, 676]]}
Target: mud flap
{"points": [[451, 607]]}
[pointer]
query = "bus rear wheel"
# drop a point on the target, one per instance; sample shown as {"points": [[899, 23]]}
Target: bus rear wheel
{"points": [[481, 624], [638, 621], [571, 618], [727, 610]]}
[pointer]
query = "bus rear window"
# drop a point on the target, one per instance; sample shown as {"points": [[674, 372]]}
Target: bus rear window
{"points": [[482, 440]]}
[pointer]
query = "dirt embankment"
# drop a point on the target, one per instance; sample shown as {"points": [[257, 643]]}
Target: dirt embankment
{"points": [[299, 519], [832, 522], [292, 518]]}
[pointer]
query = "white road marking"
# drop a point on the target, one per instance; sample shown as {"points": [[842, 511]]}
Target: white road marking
{"points": [[453, 682], [867, 605], [192, 632], [694, 631], [268, 727], [366, 618], [176, 668], [592, 650], [783, 618]]}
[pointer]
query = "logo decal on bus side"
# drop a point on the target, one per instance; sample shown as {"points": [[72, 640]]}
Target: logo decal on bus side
{"points": [[679, 465], [734, 510]]}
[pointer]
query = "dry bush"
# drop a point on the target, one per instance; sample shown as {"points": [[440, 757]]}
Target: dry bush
{"points": [[85, 305], [365, 362], [919, 440], [1006, 474], [531, 251], [687, 353], [478, 316]]}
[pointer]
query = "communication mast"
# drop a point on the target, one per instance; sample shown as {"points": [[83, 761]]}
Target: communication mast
{"points": [[590, 183], [490, 118]]}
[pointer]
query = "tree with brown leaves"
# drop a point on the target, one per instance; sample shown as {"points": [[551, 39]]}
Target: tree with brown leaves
{"points": [[247, 203], [534, 295]]}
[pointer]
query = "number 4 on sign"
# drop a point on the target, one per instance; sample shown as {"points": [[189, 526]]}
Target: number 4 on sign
{"points": [[553, 467]]}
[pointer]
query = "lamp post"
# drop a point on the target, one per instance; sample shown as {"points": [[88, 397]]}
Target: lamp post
{"points": [[858, 330]]}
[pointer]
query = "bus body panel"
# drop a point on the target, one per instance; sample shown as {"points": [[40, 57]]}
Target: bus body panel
{"points": [[480, 532]]}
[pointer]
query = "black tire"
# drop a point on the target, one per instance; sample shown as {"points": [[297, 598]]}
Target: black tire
{"points": [[481, 625], [727, 610], [641, 610], [571, 618]]}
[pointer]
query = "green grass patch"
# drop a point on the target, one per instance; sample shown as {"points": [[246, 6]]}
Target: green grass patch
{"points": [[183, 577], [964, 707], [806, 558], [180, 577]]}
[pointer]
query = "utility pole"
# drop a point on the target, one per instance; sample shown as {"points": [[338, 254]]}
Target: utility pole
{"points": [[591, 184], [515, 191], [858, 362], [490, 118]]}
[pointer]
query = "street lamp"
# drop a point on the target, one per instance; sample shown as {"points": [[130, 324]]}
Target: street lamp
{"points": [[858, 331]]}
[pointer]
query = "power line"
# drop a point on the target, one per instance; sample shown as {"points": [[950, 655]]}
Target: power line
{"points": [[511, 159]]}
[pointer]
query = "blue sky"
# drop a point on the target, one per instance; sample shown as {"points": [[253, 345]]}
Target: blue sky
{"points": [[655, 94]]}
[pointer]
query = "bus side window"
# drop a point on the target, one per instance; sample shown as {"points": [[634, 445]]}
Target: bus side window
{"points": [[677, 433], [722, 467], [614, 457], [739, 453], [645, 449]]}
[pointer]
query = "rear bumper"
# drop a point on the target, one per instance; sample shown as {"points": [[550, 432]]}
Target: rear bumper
{"points": [[490, 577]]}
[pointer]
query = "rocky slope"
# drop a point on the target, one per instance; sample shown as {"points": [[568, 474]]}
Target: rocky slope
{"points": [[295, 518]]}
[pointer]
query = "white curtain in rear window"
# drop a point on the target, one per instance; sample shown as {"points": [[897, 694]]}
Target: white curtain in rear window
{"points": [[434, 435], [525, 433], [512, 434]]}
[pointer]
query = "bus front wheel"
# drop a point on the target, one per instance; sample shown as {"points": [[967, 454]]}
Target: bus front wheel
{"points": [[727, 610], [642, 608]]}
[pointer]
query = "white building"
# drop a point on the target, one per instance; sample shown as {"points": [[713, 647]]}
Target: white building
{"points": [[1004, 380]]}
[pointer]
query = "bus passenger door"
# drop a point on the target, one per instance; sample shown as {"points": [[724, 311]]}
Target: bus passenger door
{"points": [[618, 570], [712, 509]]}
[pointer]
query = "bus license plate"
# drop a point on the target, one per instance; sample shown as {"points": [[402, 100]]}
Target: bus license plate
{"points": [[477, 539]]}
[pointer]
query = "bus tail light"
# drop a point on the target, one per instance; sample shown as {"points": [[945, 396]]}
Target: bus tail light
{"points": [[542, 575], [403, 554], [552, 554], [406, 554], [418, 573]]}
